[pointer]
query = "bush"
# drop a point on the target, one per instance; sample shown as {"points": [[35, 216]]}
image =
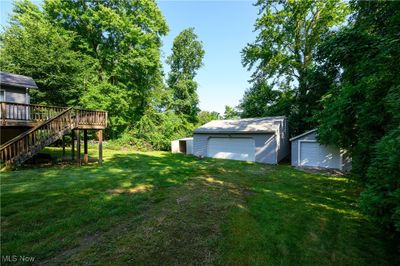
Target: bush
{"points": [[154, 131], [381, 198]]}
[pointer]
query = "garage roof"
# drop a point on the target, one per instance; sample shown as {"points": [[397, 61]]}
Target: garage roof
{"points": [[302, 135], [16, 80], [250, 125]]}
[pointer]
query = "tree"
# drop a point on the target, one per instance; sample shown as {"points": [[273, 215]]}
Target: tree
{"points": [[262, 100], [361, 110], [32, 46], [185, 60], [206, 116], [283, 53], [123, 37], [230, 112]]}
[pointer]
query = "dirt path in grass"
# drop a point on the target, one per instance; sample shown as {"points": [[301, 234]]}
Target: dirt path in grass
{"points": [[181, 229]]}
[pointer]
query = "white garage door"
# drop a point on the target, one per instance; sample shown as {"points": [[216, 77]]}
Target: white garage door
{"points": [[242, 149], [314, 154]]}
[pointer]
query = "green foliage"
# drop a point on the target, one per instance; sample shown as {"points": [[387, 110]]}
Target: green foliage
{"points": [[262, 100], [283, 56], [185, 60], [97, 54], [231, 112], [32, 46], [123, 37], [361, 110], [205, 117], [158, 129], [381, 198]]}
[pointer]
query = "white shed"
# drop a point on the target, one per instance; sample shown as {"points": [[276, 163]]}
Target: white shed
{"points": [[307, 152], [184, 145]]}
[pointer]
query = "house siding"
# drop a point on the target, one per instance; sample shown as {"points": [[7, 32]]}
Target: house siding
{"points": [[15, 95], [266, 145]]}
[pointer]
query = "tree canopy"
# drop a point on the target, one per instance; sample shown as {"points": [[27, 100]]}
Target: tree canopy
{"points": [[340, 77], [231, 112], [282, 55], [185, 60], [31, 46], [361, 109]]}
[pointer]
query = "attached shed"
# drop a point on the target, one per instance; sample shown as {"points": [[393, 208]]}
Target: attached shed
{"points": [[263, 140], [184, 146], [307, 152]]}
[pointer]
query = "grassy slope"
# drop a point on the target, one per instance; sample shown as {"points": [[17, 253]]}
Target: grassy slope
{"points": [[161, 208]]}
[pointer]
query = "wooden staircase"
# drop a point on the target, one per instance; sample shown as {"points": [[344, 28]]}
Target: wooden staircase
{"points": [[23, 147]]}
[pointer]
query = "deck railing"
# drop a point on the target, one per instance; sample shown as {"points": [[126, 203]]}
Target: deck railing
{"points": [[52, 123], [21, 147], [37, 113], [90, 118], [27, 112]]}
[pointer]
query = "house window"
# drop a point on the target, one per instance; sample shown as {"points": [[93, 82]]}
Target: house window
{"points": [[2, 95]]}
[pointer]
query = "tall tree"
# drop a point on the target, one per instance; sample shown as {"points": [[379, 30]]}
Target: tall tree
{"points": [[31, 45], [361, 110], [283, 53], [262, 100], [231, 112], [124, 39], [185, 60]]}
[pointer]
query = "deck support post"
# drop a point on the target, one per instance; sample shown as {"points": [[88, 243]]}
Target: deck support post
{"points": [[63, 147], [100, 138], [85, 147], [78, 147], [72, 145]]}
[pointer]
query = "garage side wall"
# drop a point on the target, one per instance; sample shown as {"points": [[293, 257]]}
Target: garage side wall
{"points": [[295, 145], [346, 161], [265, 145], [200, 145], [284, 148]]}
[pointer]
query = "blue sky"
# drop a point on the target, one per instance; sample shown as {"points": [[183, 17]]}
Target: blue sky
{"points": [[224, 27]]}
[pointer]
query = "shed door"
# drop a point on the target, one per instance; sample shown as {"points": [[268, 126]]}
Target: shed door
{"points": [[242, 149], [314, 154]]}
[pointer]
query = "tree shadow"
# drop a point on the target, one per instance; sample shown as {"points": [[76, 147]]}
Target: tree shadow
{"points": [[279, 212]]}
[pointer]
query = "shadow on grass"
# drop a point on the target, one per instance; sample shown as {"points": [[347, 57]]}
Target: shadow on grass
{"points": [[269, 214], [45, 210]]}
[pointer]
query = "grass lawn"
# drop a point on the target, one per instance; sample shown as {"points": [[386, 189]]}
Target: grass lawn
{"points": [[158, 208]]}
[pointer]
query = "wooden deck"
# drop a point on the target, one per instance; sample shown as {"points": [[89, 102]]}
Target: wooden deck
{"points": [[47, 124], [31, 115]]}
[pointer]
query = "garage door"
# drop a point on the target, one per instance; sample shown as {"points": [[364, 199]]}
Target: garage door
{"points": [[242, 149], [314, 154]]}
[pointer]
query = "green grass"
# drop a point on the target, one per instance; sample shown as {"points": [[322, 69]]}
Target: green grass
{"points": [[159, 208]]}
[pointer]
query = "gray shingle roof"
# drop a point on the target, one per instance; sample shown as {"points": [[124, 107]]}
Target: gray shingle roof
{"points": [[304, 134], [15, 80], [250, 125]]}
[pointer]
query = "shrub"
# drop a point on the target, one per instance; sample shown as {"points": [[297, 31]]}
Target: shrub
{"points": [[381, 198]]}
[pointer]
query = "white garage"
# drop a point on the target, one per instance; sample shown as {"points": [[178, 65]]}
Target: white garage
{"points": [[307, 152], [242, 149], [263, 140]]}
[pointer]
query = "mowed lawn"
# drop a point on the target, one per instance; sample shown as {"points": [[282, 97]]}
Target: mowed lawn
{"points": [[158, 208]]}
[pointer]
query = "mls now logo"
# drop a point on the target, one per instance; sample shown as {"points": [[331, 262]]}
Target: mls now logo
{"points": [[9, 258], [15, 258]]}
